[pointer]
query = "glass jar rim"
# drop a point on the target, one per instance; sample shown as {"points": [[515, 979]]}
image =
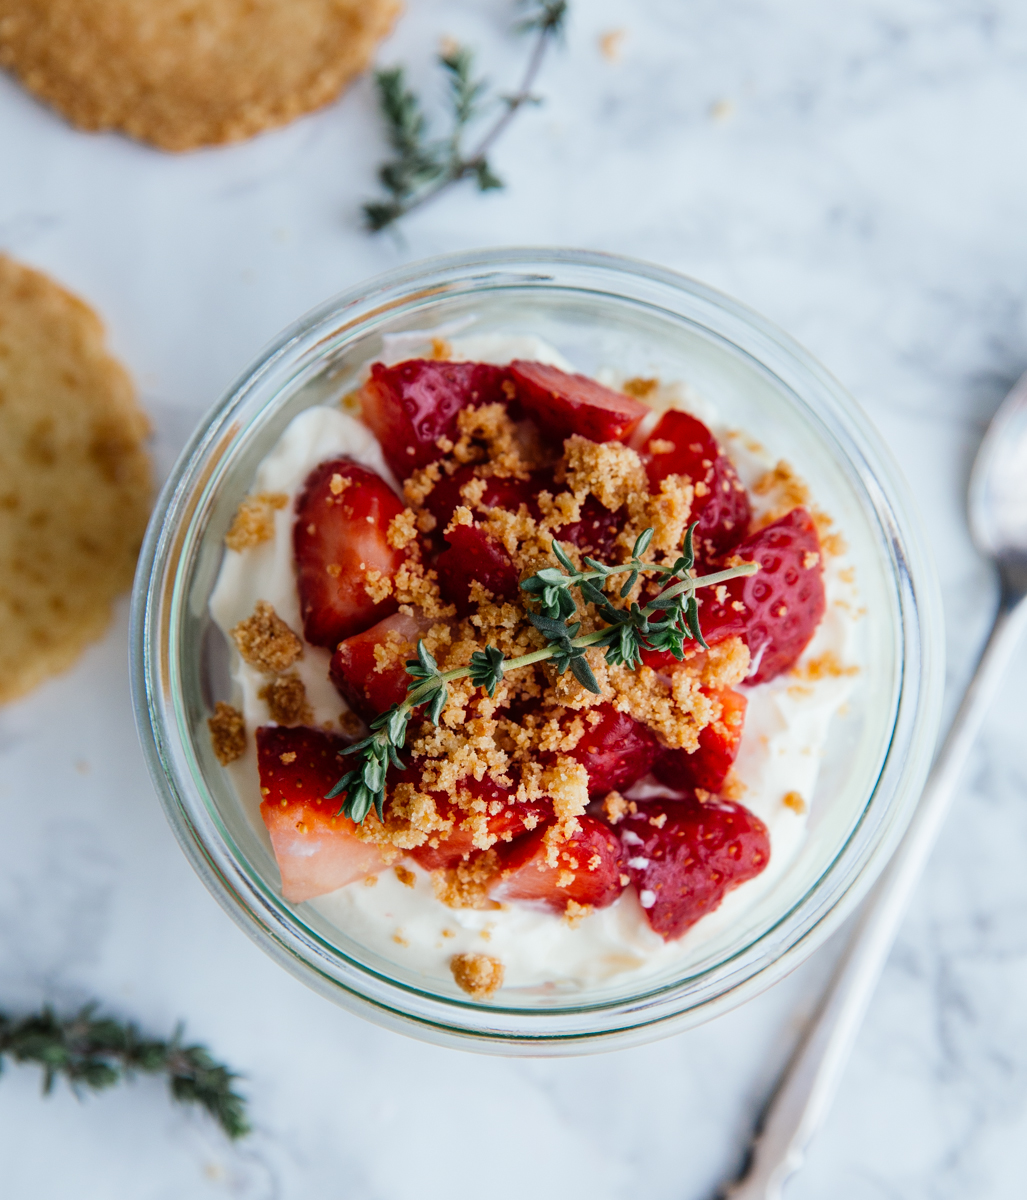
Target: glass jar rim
{"points": [[158, 597]]}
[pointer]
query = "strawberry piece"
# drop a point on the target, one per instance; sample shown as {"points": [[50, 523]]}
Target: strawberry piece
{"points": [[341, 532], [316, 850], [587, 871], [616, 752], [596, 532], [563, 404], [473, 555], [501, 816], [681, 445], [708, 766], [354, 668], [683, 865], [410, 406], [781, 605], [499, 493]]}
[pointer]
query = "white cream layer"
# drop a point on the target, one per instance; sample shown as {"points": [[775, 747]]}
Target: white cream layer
{"points": [[786, 729]]}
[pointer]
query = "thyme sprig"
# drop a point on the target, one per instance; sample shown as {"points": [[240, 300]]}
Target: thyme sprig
{"points": [[665, 623], [423, 166], [98, 1052]]}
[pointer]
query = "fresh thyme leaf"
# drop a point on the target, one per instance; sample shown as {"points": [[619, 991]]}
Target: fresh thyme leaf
{"points": [[98, 1052], [692, 617], [688, 558], [583, 674], [487, 669], [642, 543], [437, 703], [422, 166], [549, 18]]}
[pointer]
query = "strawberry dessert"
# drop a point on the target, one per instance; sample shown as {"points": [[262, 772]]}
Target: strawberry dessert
{"points": [[532, 670]]}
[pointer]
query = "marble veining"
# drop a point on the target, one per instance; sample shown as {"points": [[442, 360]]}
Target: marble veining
{"points": [[855, 172]]}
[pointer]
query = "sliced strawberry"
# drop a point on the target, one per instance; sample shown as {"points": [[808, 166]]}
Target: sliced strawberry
{"points": [[616, 752], [501, 815], [410, 406], [777, 609], [354, 668], [708, 766], [342, 523], [473, 555], [587, 870], [563, 404], [684, 855], [596, 532], [682, 445], [315, 849], [498, 493]]}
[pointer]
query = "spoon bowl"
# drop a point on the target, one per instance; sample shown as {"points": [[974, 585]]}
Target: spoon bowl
{"points": [[997, 500]]}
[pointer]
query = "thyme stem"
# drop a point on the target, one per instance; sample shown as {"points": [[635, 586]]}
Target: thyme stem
{"points": [[423, 168]]}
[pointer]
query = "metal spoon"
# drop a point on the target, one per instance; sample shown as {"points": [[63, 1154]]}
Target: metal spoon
{"points": [[997, 505]]}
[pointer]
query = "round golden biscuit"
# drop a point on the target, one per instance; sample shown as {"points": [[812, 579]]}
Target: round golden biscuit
{"points": [[75, 483], [188, 73]]}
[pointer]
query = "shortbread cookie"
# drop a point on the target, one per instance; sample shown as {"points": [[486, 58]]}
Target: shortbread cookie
{"points": [[75, 483], [187, 73]]}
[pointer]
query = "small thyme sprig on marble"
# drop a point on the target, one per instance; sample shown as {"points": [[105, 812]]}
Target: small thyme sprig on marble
{"points": [[423, 166], [98, 1052], [625, 635]]}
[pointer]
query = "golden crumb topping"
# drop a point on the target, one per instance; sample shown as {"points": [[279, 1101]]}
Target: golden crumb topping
{"points": [[406, 877], [286, 700], [794, 801], [784, 490], [266, 642], [227, 733], [824, 666], [467, 884], [255, 520], [479, 975]]}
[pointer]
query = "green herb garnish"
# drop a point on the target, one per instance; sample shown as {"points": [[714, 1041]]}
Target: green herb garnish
{"points": [[424, 166], [666, 623], [98, 1052]]}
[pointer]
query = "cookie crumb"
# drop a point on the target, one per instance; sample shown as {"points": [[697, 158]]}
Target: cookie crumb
{"points": [[266, 642], [479, 975], [227, 733], [254, 520], [406, 877], [610, 45], [575, 913], [286, 700], [617, 808], [794, 801]]}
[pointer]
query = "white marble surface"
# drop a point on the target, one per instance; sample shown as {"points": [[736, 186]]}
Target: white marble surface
{"points": [[855, 171]]}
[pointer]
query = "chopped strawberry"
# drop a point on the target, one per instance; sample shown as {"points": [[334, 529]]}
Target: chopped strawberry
{"points": [[410, 406], [341, 532], [587, 870], [473, 555], [596, 531], [316, 850], [498, 493], [501, 816], [563, 404], [354, 668], [616, 752], [777, 609], [681, 445], [708, 766], [684, 855]]}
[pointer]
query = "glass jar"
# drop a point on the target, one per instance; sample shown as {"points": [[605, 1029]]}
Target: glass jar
{"points": [[599, 311]]}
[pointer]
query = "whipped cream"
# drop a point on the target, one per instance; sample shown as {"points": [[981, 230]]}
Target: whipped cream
{"points": [[786, 730]]}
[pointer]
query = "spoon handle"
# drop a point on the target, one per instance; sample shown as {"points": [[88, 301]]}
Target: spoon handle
{"points": [[805, 1092]]}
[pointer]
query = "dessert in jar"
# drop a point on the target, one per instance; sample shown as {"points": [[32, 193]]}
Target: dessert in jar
{"points": [[587, 813]]}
